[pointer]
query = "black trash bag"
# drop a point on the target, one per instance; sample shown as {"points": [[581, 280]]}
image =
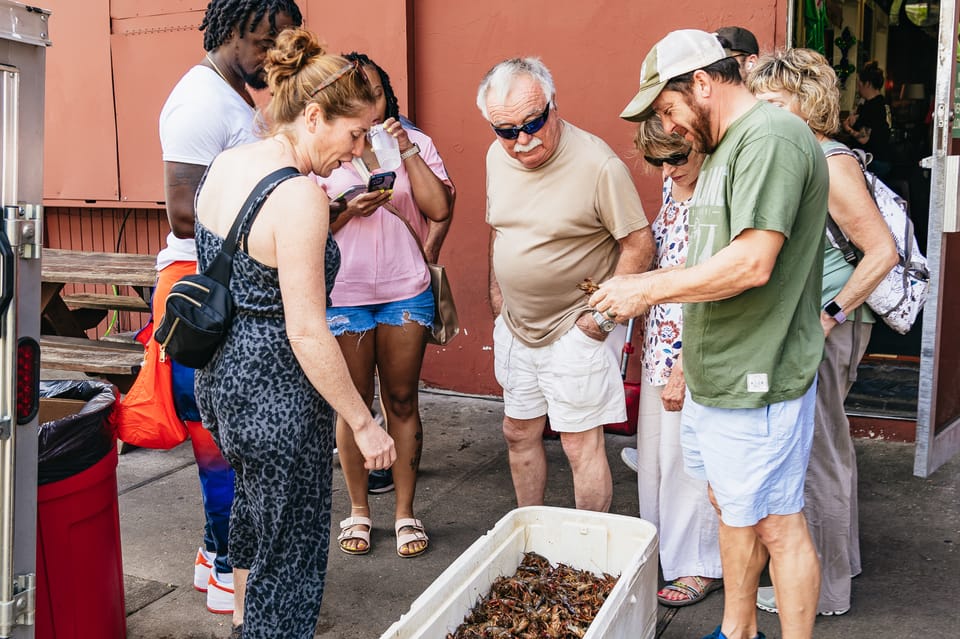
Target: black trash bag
{"points": [[74, 443]]}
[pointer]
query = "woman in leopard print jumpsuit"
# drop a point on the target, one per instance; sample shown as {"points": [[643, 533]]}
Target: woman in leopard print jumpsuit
{"points": [[270, 392]]}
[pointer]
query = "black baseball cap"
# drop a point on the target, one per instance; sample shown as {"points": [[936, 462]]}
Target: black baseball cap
{"points": [[741, 40]]}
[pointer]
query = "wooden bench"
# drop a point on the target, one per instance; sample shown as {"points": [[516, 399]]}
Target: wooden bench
{"points": [[117, 361], [106, 302], [67, 315]]}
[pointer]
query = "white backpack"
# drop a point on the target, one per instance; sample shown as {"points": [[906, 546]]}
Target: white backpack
{"points": [[900, 295]]}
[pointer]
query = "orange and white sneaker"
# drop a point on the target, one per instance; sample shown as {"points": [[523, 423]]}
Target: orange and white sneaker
{"points": [[220, 593], [202, 566]]}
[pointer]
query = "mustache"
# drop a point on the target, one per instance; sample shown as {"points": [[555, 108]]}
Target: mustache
{"points": [[530, 146]]}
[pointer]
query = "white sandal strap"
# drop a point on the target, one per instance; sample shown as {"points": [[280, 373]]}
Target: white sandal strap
{"points": [[356, 521], [418, 534]]}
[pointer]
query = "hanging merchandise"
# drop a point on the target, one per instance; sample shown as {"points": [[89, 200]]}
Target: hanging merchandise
{"points": [[815, 23]]}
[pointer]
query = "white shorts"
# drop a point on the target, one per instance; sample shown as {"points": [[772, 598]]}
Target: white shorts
{"points": [[755, 459], [574, 380]]}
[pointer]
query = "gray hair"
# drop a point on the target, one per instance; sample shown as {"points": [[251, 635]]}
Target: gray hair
{"points": [[501, 77]]}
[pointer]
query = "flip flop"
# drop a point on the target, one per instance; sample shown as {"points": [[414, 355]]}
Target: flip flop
{"points": [[349, 532], [418, 534], [693, 594]]}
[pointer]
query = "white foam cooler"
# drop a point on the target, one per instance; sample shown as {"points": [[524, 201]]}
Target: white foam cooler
{"points": [[598, 542]]}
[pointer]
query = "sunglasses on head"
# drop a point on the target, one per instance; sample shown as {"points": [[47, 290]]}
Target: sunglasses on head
{"points": [[674, 159], [531, 127]]}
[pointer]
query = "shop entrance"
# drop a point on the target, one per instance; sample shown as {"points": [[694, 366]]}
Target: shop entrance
{"points": [[899, 39]]}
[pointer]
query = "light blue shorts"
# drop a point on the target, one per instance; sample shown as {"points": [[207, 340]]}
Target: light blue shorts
{"points": [[755, 459], [357, 319]]}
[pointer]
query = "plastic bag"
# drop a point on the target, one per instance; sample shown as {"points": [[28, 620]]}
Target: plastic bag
{"points": [[76, 442]]}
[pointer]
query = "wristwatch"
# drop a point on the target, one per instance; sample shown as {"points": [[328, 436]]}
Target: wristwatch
{"points": [[833, 310], [412, 151], [603, 322]]}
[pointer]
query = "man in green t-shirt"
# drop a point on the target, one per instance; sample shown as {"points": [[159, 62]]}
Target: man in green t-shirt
{"points": [[752, 335]]}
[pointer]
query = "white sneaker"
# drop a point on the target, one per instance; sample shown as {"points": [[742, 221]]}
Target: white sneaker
{"points": [[767, 601], [220, 593], [202, 566], [629, 457]]}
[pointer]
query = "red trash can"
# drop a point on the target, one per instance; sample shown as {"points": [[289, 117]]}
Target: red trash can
{"points": [[79, 561]]}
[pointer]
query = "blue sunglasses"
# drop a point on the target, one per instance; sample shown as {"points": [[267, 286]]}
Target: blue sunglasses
{"points": [[531, 127]]}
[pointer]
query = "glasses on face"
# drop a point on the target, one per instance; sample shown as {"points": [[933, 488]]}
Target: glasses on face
{"points": [[531, 127], [674, 159], [339, 73]]}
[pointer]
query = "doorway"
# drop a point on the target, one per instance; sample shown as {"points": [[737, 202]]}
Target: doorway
{"points": [[901, 37]]}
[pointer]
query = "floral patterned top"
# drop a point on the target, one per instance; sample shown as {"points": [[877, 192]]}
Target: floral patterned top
{"points": [[661, 341]]}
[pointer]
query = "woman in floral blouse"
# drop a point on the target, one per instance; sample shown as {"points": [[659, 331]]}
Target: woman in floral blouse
{"points": [[675, 502]]}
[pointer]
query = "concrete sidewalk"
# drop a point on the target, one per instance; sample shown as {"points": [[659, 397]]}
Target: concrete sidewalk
{"points": [[910, 532]]}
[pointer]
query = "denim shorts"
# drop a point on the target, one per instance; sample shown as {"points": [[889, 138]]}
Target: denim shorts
{"points": [[755, 459], [357, 319], [575, 380]]}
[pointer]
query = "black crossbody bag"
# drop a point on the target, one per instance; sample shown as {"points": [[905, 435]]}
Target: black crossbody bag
{"points": [[199, 308]]}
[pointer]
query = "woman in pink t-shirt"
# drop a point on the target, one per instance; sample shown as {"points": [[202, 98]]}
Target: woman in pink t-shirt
{"points": [[383, 306]]}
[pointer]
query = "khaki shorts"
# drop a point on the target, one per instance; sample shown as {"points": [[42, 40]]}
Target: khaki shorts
{"points": [[575, 380]]}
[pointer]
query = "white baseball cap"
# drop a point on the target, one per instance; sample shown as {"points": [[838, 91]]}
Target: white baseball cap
{"points": [[677, 53]]}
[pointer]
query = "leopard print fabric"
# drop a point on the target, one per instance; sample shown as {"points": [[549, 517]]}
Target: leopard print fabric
{"points": [[277, 432]]}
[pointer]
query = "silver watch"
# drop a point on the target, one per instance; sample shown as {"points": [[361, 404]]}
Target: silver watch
{"points": [[603, 322]]}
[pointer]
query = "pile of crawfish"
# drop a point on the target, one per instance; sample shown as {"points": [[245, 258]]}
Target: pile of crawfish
{"points": [[538, 601]]}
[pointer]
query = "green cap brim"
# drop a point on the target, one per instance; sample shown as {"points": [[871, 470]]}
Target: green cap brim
{"points": [[641, 106]]}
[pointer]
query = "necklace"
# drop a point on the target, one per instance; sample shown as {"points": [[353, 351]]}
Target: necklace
{"points": [[217, 69]]}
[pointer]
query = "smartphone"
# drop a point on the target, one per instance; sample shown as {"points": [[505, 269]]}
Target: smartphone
{"points": [[351, 193], [339, 204], [382, 181]]}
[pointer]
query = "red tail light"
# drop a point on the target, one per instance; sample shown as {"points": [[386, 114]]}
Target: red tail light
{"points": [[28, 379]]}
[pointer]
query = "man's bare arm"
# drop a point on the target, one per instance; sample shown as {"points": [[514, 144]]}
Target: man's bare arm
{"points": [[180, 183], [636, 252], [745, 263], [496, 297]]}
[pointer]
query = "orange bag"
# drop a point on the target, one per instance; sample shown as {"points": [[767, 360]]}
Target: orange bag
{"points": [[146, 416]]}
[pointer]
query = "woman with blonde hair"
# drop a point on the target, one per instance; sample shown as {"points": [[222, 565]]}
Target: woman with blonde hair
{"points": [[269, 394], [670, 498], [803, 82]]}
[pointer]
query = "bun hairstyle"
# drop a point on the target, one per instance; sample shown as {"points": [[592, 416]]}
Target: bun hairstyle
{"points": [[872, 74], [299, 71], [807, 76]]}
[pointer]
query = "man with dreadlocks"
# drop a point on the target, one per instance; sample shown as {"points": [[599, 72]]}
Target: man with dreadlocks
{"points": [[208, 111]]}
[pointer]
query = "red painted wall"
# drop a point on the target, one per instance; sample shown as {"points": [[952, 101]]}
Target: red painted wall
{"points": [[594, 51], [113, 64]]}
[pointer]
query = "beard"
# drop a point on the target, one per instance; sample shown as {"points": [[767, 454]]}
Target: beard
{"points": [[700, 129], [256, 80]]}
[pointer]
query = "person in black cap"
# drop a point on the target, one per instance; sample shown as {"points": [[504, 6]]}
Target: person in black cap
{"points": [[752, 334], [743, 46]]}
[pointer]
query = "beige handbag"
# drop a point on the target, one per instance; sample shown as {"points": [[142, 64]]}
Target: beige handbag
{"points": [[446, 324]]}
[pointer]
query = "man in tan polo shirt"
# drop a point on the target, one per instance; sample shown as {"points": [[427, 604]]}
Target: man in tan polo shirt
{"points": [[562, 207]]}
